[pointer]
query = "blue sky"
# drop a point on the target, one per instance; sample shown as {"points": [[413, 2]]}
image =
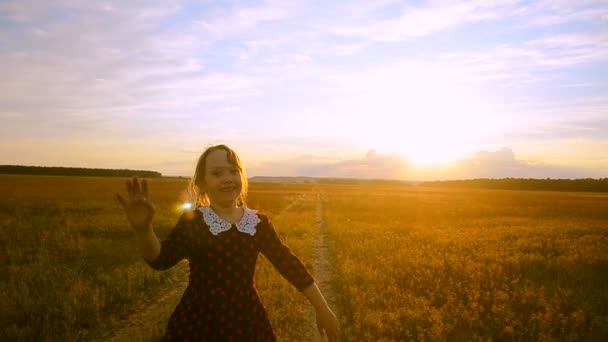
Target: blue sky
{"points": [[374, 89]]}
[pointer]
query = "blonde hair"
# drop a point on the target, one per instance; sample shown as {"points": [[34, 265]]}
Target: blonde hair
{"points": [[199, 197]]}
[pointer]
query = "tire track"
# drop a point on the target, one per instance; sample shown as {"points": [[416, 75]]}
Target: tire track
{"points": [[322, 272]]}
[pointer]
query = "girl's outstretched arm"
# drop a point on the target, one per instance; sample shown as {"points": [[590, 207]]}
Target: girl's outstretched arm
{"points": [[140, 211], [327, 323], [149, 245]]}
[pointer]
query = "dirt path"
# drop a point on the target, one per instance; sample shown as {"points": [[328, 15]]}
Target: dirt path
{"points": [[321, 271], [147, 321]]}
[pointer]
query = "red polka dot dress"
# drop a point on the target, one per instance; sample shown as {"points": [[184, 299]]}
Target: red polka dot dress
{"points": [[221, 302]]}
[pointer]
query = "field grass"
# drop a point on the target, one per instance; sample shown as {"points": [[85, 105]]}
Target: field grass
{"points": [[434, 264], [287, 308], [409, 263], [69, 261]]}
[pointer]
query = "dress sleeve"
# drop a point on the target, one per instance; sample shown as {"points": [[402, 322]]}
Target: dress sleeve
{"points": [[176, 246], [290, 267]]}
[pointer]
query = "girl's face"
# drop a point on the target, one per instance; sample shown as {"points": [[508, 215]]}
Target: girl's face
{"points": [[222, 179]]}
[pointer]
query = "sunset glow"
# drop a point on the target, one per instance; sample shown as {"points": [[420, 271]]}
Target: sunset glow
{"points": [[303, 88]]}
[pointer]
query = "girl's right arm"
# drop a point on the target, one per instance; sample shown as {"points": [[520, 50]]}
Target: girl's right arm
{"points": [[148, 245], [140, 212]]}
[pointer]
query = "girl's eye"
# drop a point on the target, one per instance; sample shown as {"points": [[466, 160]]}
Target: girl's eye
{"points": [[235, 172]]}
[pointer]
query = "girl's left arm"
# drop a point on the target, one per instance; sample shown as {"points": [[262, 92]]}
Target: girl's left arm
{"points": [[281, 257], [327, 323], [296, 273]]}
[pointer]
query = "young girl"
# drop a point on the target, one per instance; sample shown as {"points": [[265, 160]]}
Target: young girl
{"points": [[221, 238]]}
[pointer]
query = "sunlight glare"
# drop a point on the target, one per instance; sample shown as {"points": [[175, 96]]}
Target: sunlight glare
{"points": [[186, 206], [428, 113]]}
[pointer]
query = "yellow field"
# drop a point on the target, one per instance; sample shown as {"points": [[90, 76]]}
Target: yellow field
{"points": [[69, 263], [408, 263], [467, 265]]}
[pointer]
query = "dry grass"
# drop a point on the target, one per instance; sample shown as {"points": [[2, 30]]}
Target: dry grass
{"points": [[69, 261], [420, 264], [69, 257], [409, 263], [288, 308]]}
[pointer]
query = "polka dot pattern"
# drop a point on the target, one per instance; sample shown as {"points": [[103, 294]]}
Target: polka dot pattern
{"points": [[221, 302]]}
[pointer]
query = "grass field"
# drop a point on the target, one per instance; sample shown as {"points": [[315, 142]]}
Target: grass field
{"points": [[408, 263], [70, 264], [469, 264]]}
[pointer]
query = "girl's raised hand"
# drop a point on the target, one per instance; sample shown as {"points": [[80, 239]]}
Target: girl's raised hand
{"points": [[138, 207]]}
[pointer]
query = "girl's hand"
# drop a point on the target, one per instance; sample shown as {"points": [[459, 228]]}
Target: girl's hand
{"points": [[328, 324], [138, 207]]}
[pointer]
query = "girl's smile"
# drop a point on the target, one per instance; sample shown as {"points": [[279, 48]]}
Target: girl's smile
{"points": [[222, 181]]}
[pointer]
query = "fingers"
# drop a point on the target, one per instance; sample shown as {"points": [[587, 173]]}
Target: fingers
{"points": [[332, 332], [129, 188], [144, 188], [333, 336], [121, 200], [136, 188]]}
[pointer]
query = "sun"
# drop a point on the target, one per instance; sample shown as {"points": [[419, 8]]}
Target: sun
{"points": [[438, 132], [437, 152], [429, 113], [425, 146]]}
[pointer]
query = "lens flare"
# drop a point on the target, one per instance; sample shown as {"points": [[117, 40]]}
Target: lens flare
{"points": [[186, 206]]}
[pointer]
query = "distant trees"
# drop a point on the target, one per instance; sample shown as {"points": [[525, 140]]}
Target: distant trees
{"points": [[584, 184], [75, 171], [549, 184], [362, 181]]}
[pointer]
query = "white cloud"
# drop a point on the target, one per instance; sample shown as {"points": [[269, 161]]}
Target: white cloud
{"points": [[74, 69], [99, 71], [532, 60], [222, 23], [372, 165], [546, 13], [425, 20], [503, 163]]}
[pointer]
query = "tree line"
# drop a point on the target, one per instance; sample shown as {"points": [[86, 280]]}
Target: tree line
{"points": [[75, 171], [583, 184]]}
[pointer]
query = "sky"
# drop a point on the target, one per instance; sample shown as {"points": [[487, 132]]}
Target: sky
{"points": [[416, 90]]}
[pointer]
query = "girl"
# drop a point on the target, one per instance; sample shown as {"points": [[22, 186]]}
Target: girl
{"points": [[221, 239]]}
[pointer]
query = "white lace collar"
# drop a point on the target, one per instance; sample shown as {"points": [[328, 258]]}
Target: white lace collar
{"points": [[217, 224]]}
